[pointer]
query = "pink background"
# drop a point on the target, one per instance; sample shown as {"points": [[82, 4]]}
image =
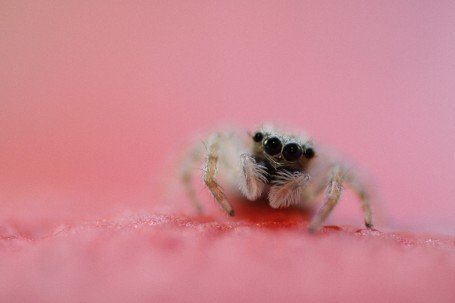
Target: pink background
{"points": [[95, 96], [98, 98]]}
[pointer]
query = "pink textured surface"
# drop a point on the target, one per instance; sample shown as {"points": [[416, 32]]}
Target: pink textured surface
{"points": [[97, 100], [160, 258]]}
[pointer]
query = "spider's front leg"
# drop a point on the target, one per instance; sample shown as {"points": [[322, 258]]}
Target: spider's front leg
{"points": [[253, 177], [210, 169]]}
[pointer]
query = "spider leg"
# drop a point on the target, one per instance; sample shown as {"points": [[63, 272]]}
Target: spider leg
{"points": [[252, 178], [288, 189], [339, 175], [360, 190], [334, 189], [193, 156], [210, 170], [310, 194]]}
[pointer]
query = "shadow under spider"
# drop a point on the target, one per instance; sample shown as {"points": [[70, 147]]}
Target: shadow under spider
{"points": [[260, 213]]}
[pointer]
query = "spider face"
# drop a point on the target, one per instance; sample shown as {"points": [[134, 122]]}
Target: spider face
{"points": [[282, 150]]}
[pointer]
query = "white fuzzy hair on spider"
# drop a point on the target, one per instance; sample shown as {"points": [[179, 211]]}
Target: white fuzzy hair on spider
{"points": [[283, 167]]}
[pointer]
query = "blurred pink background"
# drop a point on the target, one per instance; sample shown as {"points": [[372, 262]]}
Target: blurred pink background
{"points": [[97, 96]]}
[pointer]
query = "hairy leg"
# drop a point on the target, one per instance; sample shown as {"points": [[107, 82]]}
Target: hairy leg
{"points": [[360, 190], [340, 175], [192, 160], [288, 189], [334, 189], [253, 177], [210, 171]]}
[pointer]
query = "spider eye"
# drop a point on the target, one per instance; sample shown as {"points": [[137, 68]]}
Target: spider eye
{"points": [[272, 146], [258, 137], [292, 152], [308, 152]]}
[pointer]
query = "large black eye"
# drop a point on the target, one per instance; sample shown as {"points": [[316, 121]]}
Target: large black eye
{"points": [[292, 152], [308, 152], [258, 137], [272, 146]]}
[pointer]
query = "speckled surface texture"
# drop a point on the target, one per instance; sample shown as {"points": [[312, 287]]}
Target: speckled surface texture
{"points": [[163, 258]]}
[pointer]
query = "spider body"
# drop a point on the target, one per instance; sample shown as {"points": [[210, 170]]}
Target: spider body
{"points": [[285, 168]]}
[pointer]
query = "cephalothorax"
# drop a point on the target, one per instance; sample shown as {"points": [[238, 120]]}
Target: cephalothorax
{"points": [[285, 168]]}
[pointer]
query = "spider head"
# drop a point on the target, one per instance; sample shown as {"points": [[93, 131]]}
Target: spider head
{"points": [[282, 149]]}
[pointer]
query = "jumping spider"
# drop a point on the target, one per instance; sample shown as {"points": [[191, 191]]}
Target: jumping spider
{"points": [[287, 169]]}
